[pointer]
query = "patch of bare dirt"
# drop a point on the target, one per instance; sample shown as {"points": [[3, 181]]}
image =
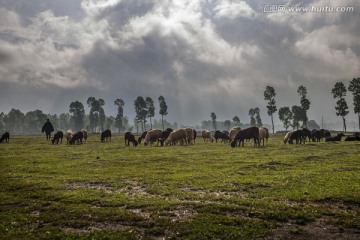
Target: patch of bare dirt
{"points": [[132, 187], [318, 230], [216, 193]]}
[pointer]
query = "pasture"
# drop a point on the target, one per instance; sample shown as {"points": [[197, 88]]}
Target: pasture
{"points": [[206, 191]]}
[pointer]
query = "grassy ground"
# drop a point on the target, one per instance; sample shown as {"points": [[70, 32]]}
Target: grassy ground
{"points": [[206, 191]]}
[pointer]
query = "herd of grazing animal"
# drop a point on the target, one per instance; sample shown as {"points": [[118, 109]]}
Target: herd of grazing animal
{"points": [[186, 136]]}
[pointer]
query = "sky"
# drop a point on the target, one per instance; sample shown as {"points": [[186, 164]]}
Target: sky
{"points": [[202, 56]]}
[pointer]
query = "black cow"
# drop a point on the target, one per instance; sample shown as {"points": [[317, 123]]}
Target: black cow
{"points": [[143, 135], [248, 133], [105, 135], [307, 134], [164, 135], [298, 136], [129, 137], [5, 137], [316, 135], [221, 135], [336, 138], [76, 138]]}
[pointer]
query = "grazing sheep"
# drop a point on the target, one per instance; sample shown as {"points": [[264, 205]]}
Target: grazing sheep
{"points": [[175, 137], [58, 136], [143, 135], [68, 135], [152, 136], [298, 136], [316, 135], [76, 138], [263, 134], [85, 134], [189, 135], [205, 134], [307, 134], [287, 136], [336, 138], [5, 137], [129, 137], [233, 132], [221, 135], [105, 135], [248, 133], [164, 135]]}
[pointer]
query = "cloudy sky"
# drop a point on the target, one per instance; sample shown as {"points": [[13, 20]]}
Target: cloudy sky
{"points": [[203, 56]]}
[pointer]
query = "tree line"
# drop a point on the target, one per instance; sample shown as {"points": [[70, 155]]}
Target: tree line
{"points": [[296, 116], [96, 121]]}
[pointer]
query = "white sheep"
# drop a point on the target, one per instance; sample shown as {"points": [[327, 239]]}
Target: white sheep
{"points": [[287, 136], [68, 135], [176, 136], [152, 136], [205, 134], [233, 132], [263, 134]]}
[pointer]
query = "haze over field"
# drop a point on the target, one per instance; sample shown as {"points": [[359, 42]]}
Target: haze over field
{"points": [[202, 56]]}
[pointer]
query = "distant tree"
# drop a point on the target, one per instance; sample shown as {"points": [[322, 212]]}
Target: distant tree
{"points": [[109, 122], [97, 113], [163, 109], [236, 120], [298, 115], [213, 120], [269, 95], [14, 121], [285, 115], [227, 124], [150, 109], [34, 120], [354, 87], [257, 117], [339, 92], [120, 114], [54, 119], [305, 103], [64, 121], [252, 119], [78, 114], [141, 111]]}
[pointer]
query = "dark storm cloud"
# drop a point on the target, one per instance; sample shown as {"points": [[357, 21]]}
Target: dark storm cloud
{"points": [[203, 56]]}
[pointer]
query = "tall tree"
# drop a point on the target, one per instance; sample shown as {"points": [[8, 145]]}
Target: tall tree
{"points": [[304, 102], [257, 117], [163, 109], [339, 92], [97, 113], [252, 119], [78, 114], [236, 121], [120, 114], [298, 115], [269, 95], [14, 121], [141, 111], [213, 120], [150, 108], [34, 120], [285, 115], [354, 87]]}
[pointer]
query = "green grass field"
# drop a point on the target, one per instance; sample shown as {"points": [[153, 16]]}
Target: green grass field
{"points": [[205, 191]]}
